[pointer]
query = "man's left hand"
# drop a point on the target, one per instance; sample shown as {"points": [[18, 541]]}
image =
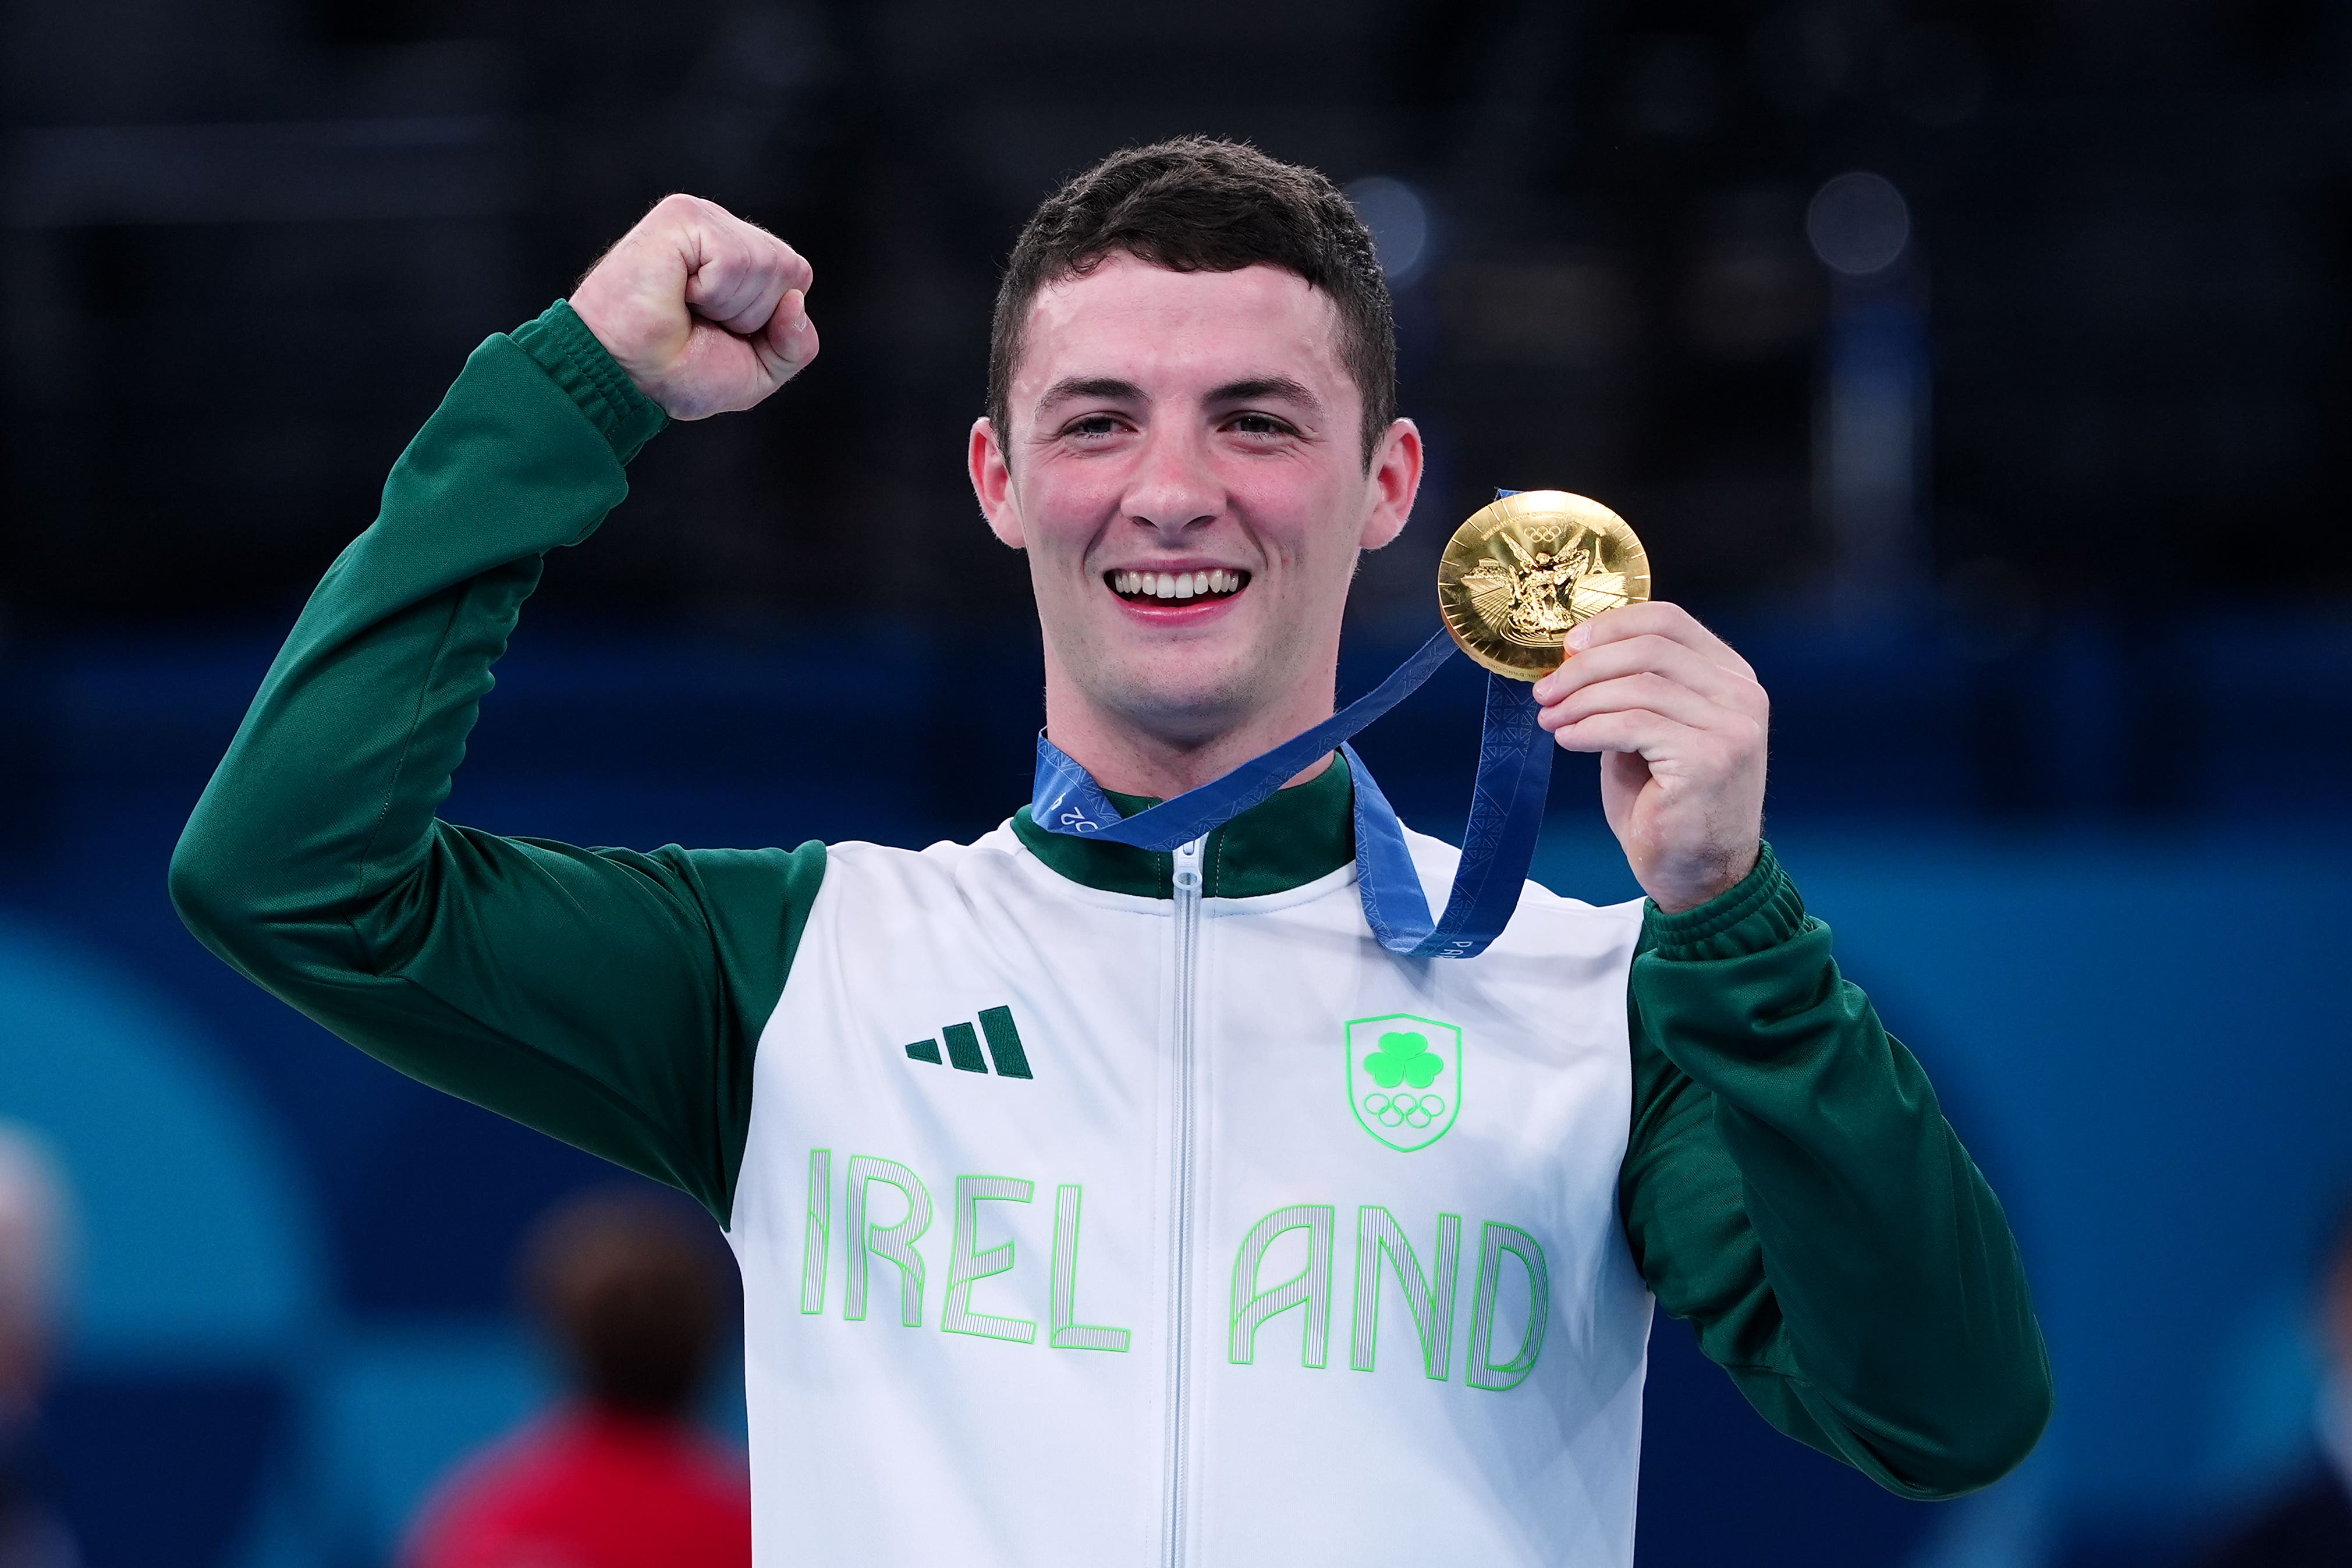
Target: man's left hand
{"points": [[1680, 722]]}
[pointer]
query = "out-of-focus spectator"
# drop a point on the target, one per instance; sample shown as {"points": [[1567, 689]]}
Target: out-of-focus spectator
{"points": [[35, 1223], [616, 1476], [2309, 1525]]}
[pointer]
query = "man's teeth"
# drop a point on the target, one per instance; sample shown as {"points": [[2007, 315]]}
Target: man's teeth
{"points": [[1175, 584]]}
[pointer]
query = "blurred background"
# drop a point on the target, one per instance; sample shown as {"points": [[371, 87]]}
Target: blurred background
{"points": [[1976, 369]]}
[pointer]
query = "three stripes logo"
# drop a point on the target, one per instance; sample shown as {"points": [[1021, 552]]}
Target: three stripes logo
{"points": [[1004, 1047]]}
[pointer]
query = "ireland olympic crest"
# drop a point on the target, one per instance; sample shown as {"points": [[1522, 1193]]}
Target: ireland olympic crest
{"points": [[1405, 1077]]}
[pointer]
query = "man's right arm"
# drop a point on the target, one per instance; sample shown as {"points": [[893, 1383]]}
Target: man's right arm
{"points": [[609, 998]]}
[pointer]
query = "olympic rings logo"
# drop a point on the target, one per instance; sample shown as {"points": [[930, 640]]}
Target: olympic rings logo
{"points": [[1404, 1110]]}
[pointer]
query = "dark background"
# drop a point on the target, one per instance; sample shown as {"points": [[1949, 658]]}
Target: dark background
{"points": [[246, 243], [2101, 636]]}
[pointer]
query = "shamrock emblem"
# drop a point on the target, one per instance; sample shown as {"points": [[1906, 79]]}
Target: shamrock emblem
{"points": [[1405, 1057], [1392, 1088]]}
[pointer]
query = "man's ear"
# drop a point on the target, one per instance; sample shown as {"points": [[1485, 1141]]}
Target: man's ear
{"points": [[992, 482], [1393, 482]]}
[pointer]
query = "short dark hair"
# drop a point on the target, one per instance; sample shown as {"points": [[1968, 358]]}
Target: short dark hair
{"points": [[628, 1286], [1199, 205]]}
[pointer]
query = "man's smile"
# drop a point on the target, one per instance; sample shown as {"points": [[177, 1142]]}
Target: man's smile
{"points": [[1154, 590]]}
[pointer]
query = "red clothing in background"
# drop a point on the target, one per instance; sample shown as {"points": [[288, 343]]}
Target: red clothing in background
{"points": [[586, 1489]]}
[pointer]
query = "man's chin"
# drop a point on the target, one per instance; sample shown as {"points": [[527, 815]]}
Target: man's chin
{"points": [[1182, 708]]}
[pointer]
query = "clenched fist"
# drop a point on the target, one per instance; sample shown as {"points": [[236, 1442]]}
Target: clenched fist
{"points": [[707, 313]]}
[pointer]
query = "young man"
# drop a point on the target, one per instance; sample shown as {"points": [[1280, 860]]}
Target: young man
{"points": [[1099, 1205]]}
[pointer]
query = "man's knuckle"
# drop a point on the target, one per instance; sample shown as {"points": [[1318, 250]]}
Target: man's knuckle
{"points": [[1651, 648]]}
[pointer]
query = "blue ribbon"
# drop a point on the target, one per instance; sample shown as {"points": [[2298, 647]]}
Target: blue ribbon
{"points": [[1505, 812]]}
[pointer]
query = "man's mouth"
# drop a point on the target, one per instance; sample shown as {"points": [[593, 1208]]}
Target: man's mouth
{"points": [[1172, 587]]}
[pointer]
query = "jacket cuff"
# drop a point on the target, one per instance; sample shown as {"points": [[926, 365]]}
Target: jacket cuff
{"points": [[1763, 912], [565, 347]]}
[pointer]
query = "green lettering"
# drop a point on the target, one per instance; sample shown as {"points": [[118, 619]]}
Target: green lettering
{"points": [[967, 1267], [817, 1246], [1483, 1371], [1067, 1333], [1378, 1234], [1311, 1286], [895, 1242]]}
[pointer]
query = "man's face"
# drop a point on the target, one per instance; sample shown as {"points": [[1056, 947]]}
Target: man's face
{"points": [[1185, 469]]}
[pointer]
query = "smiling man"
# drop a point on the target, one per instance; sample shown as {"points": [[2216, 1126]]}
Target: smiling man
{"points": [[1212, 412], [1098, 1205]]}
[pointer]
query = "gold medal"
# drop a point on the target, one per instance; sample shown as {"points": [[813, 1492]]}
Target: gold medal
{"points": [[1524, 570]]}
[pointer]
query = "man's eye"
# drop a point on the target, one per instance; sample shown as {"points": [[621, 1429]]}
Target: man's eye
{"points": [[1092, 425], [1258, 424]]}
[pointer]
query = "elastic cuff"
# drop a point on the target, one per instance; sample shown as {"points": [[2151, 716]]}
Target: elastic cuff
{"points": [[1763, 912], [565, 347]]}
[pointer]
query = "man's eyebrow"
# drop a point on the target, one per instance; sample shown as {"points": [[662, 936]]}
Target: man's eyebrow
{"points": [[1103, 386], [1253, 388]]}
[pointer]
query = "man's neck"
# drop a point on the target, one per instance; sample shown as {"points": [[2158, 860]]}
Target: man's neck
{"points": [[1129, 758]]}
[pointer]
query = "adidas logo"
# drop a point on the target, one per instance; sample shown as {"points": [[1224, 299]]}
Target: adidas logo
{"points": [[964, 1046]]}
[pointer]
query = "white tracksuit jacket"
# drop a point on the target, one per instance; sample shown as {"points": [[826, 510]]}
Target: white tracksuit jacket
{"points": [[1288, 1250]]}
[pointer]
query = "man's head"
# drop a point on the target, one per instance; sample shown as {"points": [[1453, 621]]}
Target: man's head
{"points": [[629, 1291], [1191, 432], [1195, 205]]}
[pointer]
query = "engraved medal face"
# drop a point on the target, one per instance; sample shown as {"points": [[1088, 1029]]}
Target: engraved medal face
{"points": [[1522, 571]]}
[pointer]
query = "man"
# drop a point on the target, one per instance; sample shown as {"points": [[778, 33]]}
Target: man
{"points": [[1062, 1241], [616, 1476]]}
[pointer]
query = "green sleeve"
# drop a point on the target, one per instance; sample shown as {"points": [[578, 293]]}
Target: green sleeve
{"points": [[609, 998], [1793, 1189]]}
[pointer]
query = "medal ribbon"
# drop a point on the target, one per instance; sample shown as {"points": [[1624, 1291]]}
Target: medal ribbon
{"points": [[1505, 812]]}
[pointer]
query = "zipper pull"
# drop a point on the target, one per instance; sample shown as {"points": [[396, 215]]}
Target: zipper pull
{"points": [[1187, 867]]}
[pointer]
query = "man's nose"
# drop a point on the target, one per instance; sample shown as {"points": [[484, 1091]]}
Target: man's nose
{"points": [[1175, 488]]}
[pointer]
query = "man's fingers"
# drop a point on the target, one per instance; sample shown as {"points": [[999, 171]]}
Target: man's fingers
{"points": [[1660, 656], [1646, 691], [736, 287], [1655, 618], [742, 274], [789, 341], [1630, 730]]}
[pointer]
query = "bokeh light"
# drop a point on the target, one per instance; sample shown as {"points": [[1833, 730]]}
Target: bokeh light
{"points": [[1859, 223], [1399, 220]]}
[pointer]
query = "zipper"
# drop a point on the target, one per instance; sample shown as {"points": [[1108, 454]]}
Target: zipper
{"points": [[1187, 879]]}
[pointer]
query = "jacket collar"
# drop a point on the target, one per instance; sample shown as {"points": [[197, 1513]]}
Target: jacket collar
{"points": [[1283, 842]]}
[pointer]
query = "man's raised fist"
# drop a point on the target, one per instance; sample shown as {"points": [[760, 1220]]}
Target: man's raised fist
{"points": [[706, 313]]}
